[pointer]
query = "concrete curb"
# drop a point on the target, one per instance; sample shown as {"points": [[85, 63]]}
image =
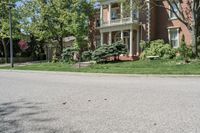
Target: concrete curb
{"points": [[101, 74]]}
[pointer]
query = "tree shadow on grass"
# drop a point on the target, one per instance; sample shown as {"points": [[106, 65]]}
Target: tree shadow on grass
{"points": [[22, 116]]}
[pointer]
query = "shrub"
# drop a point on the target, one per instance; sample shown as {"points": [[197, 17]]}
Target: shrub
{"points": [[68, 54], [144, 45], [157, 48], [102, 53], [184, 51], [116, 49], [87, 55], [167, 52], [55, 59]]}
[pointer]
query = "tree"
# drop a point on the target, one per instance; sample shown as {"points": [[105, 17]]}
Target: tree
{"points": [[55, 19], [188, 15], [4, 26]]}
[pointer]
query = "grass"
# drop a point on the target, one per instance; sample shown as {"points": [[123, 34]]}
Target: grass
{"points": [[132, 67]]}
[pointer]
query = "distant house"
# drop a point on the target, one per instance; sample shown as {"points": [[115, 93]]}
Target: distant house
{"points": [[112, 24], [52, 48]]}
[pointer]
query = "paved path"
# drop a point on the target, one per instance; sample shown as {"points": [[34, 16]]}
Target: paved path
{"points": [[21, 64], [49, 102]]}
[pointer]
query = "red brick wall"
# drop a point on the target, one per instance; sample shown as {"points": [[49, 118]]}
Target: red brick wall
{"points": [[162, 22], [105, 15]]}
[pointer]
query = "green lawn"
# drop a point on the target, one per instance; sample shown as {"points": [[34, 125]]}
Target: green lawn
{"points": [[132, 67]]}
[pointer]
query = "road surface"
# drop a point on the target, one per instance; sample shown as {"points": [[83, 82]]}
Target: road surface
{"points": [[51, 102]]}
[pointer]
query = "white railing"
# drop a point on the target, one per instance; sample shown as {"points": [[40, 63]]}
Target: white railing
{"points": [[126, 20], [116, 21], [120, 21]]}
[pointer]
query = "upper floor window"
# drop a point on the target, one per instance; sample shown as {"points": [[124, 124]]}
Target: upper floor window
{"points": [[113, 15], [173, 9], [98, 23]]}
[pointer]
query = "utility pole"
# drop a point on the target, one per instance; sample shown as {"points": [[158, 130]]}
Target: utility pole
{"points": [[10, 6]]}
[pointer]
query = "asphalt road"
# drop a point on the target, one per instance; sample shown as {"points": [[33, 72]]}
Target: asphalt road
{"points": [[50, 102]]}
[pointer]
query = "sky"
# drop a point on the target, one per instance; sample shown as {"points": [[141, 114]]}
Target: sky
{"points": [[96, 4], [18, 4]]}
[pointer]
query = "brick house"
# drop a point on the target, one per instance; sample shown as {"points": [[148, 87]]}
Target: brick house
{"points": [[155, 22]]}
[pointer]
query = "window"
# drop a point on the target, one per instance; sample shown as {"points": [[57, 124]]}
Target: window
{"points": [[98, 23], [113, 15], [174, 37], [171, 13], [98, 41]]}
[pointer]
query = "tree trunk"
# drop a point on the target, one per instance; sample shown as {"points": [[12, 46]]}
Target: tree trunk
{"points": [[91, 32], [194, 41], [5, 51], [61, 45], [193, 32]]}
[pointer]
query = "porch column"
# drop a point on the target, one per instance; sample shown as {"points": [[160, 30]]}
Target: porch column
{"points": [[101, 15], [101, 38], [131, 10], [122, 36], [110, 38], [131, 43], [138, 42], [121, 11], [109, 14]]}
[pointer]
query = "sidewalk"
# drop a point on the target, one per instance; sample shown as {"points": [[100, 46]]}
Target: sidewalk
{"points": [[22, 64]]}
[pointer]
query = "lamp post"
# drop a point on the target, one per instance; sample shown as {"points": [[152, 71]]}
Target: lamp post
{"points": [[10, 6]]}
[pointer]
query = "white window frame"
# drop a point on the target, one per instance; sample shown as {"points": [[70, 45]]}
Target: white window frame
{"points": [[177, 30], [172, 14]]}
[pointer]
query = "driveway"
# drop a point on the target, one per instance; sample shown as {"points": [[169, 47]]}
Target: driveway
{"points": [[50, 102]]}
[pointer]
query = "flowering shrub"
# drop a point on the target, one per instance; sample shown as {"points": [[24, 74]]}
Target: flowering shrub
{"points": [[23, 45]]}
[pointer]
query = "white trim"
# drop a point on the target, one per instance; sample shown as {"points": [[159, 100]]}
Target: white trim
{"points": [[118, 27], [138, 42], [110, 38], [131, 43], [101, 15], [108, 1], [122, 35], [131, 10], [101, 38], [121, 11], [149, 20], [109, 13]]}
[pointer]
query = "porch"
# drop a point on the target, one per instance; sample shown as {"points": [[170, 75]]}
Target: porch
{"points": [[129, 37], [115, 13]]}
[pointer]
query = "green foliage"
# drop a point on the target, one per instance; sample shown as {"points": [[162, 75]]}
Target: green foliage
{"points": [[144, 45], [86, 55], [4, 26], [55, 59], [116, 49], [51, 21], [157, 48], [102, 53], [68, 54], [184, 51]]}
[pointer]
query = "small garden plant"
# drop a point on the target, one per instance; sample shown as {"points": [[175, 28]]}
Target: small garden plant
{"points": [[184, 51]]}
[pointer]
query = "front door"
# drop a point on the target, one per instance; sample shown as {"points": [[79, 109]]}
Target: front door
{"points": [[127, 42]]}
